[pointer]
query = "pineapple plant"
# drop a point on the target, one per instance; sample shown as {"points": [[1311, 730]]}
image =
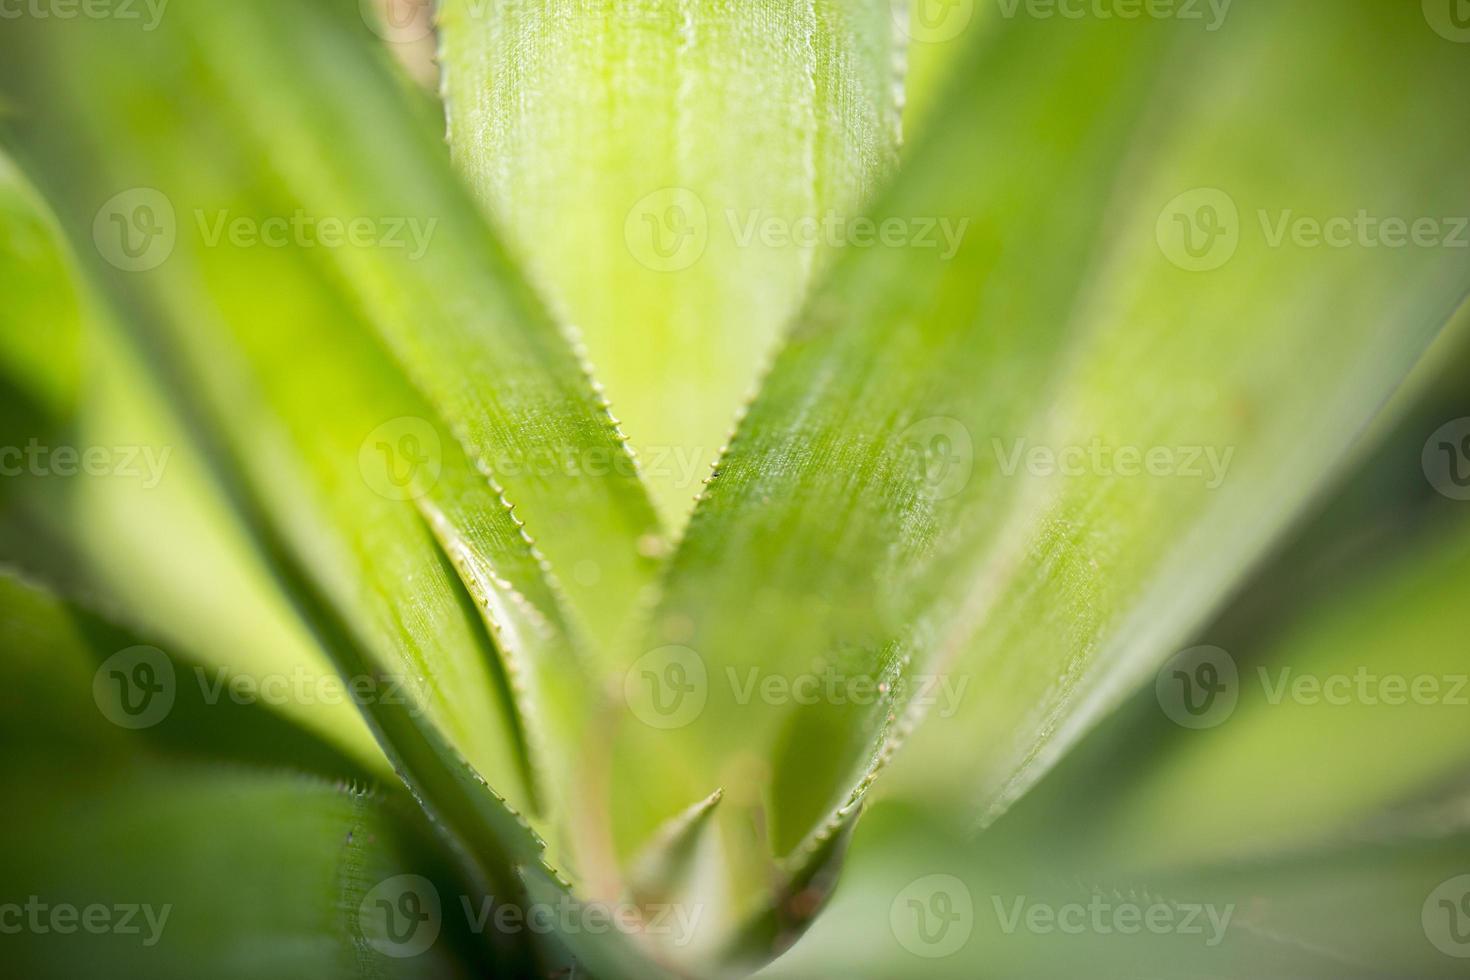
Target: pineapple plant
{"points": [[700, 488]]}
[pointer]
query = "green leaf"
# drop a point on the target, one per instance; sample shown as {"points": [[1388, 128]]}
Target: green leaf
{"points": [[84, 693], [222, 832], [806, 560], [234, 872], [39, 368], [651, 161], [1339, 694], [1279, 357], [863, 523], [142, 534], [455, 311], [1364, 909], [267, 347]]}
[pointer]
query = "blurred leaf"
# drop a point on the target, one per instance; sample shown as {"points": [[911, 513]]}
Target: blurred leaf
{"points": [[123, 846], [1368, 693], [83, 693], [638, 152], [38, 367], [238, 874], [803, 563], [917, 900], [1385, 532], [315, 423], [867, 523], [449, 303], [148, 531]]}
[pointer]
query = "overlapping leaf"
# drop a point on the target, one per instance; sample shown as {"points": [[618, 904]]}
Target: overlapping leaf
{"points": [[883, 515], [672, 173]]}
